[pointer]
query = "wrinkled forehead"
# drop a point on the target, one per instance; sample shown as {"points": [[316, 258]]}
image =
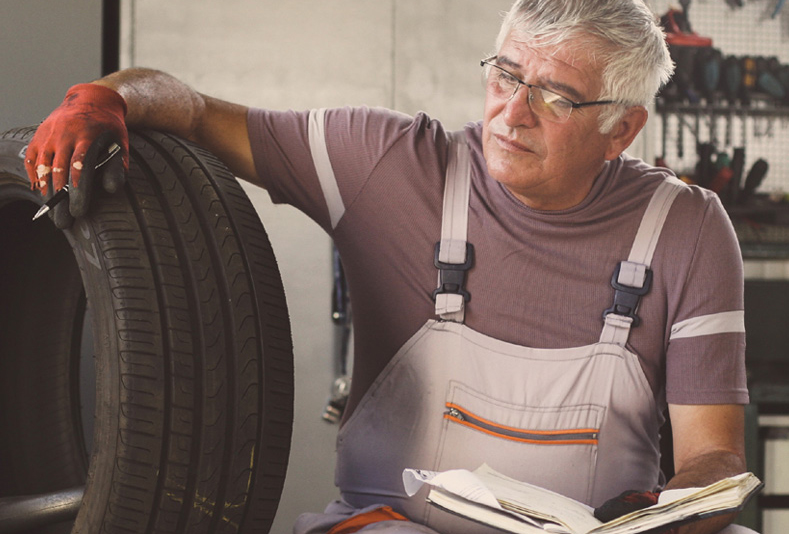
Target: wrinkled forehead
{"points": [[583, 54], [573, 46]]}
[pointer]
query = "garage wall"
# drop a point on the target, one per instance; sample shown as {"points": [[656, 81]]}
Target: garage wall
{"points": [[407, 54], [43, 56]]}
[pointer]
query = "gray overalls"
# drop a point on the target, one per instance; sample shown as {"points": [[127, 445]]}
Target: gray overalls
{"points": [[581, 421]]}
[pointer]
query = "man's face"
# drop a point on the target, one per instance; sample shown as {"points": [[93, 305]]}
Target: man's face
{"points": [[547, 165]]}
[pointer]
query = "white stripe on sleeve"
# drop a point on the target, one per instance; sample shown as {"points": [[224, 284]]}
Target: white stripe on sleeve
{"points": [[320, 158], [704, 325]]}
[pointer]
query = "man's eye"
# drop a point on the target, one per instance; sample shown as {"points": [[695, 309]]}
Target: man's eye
{"points": [[507, 78]]}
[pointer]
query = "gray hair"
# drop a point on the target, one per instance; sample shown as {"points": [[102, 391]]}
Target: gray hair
{"points": [[623, 35]]}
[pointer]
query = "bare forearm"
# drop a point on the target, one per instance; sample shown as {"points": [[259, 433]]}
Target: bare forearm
{"points": [[702, 471], [157, 100]]}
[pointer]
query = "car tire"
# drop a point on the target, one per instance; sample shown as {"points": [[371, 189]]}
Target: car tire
{"points": [[174, 280]]}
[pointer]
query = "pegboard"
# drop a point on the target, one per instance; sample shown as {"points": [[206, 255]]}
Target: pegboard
{"points": [[737, 28]]}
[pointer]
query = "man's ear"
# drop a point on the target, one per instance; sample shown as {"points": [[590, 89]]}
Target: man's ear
{"points": [[625, 130]]}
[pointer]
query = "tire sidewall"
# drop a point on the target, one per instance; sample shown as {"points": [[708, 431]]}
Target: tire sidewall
{"points": [[84, 243], [83, 239]]}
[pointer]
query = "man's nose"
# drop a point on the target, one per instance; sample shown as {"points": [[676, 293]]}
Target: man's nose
{"points": [[517, 110]]}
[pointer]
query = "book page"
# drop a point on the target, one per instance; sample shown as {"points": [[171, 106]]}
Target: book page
{"points": [[457, 481], [538, 502], [499, 518], [667, 497]]}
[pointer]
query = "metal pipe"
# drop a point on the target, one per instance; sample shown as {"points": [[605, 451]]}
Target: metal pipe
{"points": [[27, 512]]}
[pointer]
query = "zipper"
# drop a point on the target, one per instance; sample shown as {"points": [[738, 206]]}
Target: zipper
{"points": [[573, 436]]}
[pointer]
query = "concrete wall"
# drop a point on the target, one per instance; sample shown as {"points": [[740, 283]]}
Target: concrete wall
{"points": [[47, 47], [407, 54]]}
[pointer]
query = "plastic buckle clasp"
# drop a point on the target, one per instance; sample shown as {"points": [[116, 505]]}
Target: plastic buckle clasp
{"points": [[626, 298], [452, 276]]}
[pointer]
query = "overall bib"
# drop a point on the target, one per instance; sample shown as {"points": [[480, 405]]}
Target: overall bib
{"points": [[580, 421]]}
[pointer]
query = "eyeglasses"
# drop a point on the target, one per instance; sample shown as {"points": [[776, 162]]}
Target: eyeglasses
{"points": [[546, 104]]}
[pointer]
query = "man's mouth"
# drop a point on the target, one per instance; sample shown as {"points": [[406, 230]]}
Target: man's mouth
{"points": [[511, 144]]}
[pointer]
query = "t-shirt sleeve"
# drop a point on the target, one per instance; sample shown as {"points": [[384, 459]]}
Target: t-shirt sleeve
{"points": [[289, 149], [705, 361]]}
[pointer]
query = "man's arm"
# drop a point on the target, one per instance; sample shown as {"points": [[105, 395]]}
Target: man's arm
{"points": [[709, 445], [92, 116], [159, 101]]}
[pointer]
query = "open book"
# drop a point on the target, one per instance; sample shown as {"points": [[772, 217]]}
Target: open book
{"points": [[491, 498]]}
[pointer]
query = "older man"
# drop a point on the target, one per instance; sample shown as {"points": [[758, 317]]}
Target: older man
{"points": [[522, 355]]}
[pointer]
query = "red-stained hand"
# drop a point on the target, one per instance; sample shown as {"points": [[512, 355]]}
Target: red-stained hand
{"points": [[69, 144]]}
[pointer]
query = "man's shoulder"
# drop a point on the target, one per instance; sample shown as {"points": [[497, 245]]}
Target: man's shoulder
{"points": [[628, 167], [634, 176], [379, 119]]}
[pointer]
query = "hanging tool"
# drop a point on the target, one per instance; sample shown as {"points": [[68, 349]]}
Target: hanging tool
{"points": [[748, 81], [708, 66], [767, 78], [783, 77], [723, 174], [684, 45], [664, 136], [729, 84], [737, 168], [713, 127], [342, 318], [680, 136], [777, 9], [676, 23], [731, 79], [754, 179], [704, 168]]}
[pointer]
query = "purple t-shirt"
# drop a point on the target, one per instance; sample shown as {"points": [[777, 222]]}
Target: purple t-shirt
{"points": [[540, 279]]}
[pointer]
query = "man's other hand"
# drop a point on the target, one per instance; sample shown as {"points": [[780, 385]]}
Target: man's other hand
{"points": [[624, 503]]}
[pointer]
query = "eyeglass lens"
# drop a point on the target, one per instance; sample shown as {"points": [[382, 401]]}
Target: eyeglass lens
{"points": [[544, 103]]}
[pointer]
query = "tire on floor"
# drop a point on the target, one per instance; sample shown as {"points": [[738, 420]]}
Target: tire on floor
{"points": [[174, 280]]}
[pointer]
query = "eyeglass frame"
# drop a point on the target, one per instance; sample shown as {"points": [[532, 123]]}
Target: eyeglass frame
{"points": [[529, 86]]}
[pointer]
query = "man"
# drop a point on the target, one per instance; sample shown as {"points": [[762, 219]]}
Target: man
{"points": [[524, 356]]}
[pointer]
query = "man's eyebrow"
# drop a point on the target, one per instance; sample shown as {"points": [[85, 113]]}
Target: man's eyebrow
{"points": [[549, 84]]}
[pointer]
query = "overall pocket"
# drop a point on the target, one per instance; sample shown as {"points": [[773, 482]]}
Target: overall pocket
{"points": [[554, 447]]}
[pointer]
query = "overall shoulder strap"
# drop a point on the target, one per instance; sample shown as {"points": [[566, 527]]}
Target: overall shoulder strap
{"points": [[632, 278], [453, 255]]}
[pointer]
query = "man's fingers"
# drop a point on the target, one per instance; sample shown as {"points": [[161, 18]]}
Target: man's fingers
{"points": [[60, 215], [76, 167], [81, 183], [42, 169], [30, 166], [60, 170], [113, 174], [102, 159], [79, 197], [50, 170]]}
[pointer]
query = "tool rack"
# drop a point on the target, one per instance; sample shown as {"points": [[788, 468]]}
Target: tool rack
{"points": [[761, 128], [758, 124]]}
